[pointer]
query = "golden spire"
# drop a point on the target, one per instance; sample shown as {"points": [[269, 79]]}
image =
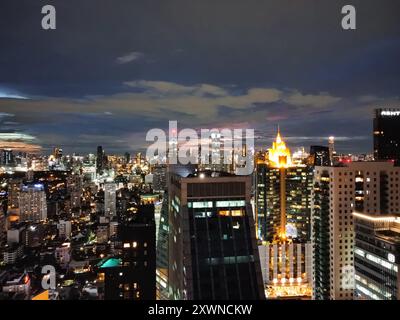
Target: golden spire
{"points": [[279, 154], [278, 136]]}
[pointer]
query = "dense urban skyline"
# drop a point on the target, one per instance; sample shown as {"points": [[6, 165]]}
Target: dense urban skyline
{"points": [[111, 72]]}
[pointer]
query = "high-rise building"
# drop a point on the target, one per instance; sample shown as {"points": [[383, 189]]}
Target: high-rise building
{"points": [[387, 135], [162, 251], [127, 157], [74, 187], [131, 275], [2, 226], [377, 257], [320, 156], [283, 191], [14, 187], [283, 195], [100, 160], [212, 245], [32, 203], [363, 187], [7, 158], [110, 199], [332, 152], [57, 153], [159, 177]]}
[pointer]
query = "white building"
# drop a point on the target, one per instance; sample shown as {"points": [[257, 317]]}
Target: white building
{"points": [[32, 203], [364, 187], [14, 235]]}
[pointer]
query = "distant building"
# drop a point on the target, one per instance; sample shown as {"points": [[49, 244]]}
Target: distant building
{"points": [[32, 203], [2, 226], [14, 188], [18, 284], [34, 235], [387, 135], [110, 199], [64, 229], [63, 254], [320, 156], [16, 234], [7, 157], [74, 187], [159, 177], [377, 257], [102, 233], [13, 253]]}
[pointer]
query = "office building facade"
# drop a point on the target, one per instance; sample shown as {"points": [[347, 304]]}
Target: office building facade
{"points": [[363, 187], [212, 246], [387, 135]]}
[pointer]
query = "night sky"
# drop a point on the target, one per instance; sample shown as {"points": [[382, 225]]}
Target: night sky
{"points": [[115, 69]]}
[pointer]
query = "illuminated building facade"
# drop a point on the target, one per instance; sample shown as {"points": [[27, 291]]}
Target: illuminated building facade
{"points": [[74, 185], [7, 157], [387, 134], [110, 199], [377, 257], [162, 251], [283, 191], [212, 245], [283, 195], [286, 269], [2, 226], [159, 177], [363, 187], [32, 203], [14, 188]]}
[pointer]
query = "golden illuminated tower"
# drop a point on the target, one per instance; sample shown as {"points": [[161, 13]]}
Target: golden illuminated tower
{"points": [[279, 157], [285, 256]]}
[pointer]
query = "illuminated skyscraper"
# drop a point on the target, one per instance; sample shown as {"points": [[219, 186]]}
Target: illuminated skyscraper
{"points": [[74, 186], [7, 158], [332, 151], [162, 251], [100, 160], [387, 134], [32, 203], [159, 177], [110, 199], [283, 190]]}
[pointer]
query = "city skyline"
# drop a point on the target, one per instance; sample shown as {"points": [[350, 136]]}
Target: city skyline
{"points": [[109, 73]]}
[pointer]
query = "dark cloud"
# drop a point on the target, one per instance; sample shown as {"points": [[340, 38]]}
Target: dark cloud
{"points": [[113, 70]]}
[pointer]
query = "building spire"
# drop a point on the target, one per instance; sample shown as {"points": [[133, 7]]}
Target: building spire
{"points": [[278, 136]]}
